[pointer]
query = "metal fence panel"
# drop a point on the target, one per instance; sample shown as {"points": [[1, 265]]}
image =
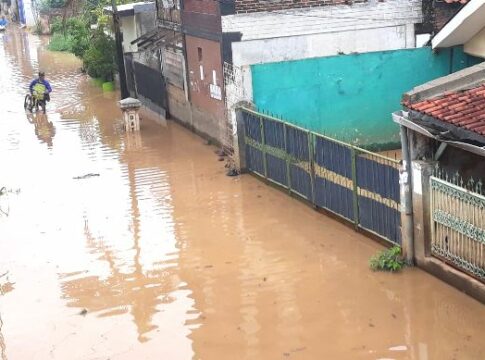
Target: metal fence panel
{"points": [[380, 219], [334, 197], [297, 143], [276, 169], [458, 226], [333, 177], [252, 127], [378, 176], [333, 156], [254, 159], [301, 181], [150, 84], [377, 181], [274, 133], [360, 186]]}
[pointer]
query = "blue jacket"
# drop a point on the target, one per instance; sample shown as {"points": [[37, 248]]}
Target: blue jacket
{"points": [[37, 81], [3, 22]]}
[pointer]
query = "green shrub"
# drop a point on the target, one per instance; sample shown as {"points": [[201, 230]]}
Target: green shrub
{"points": [[388, 260], [99, 58], [76, 30], [59, 42], [57, 26]]}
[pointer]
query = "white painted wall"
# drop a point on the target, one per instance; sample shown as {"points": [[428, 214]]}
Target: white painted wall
{"points": [[327, 19], [476, 46], [128, 27], [29, 13], [321, 45]]}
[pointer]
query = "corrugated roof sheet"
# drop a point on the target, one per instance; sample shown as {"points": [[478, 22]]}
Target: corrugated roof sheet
{"points": [[465, 108]]}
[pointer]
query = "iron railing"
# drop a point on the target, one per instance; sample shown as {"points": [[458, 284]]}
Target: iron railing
{"points": [[458, 223], [355, 184]]}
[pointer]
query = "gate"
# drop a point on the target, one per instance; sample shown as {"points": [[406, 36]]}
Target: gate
{"points": [[458, 224], [355, 184], [150, 84], [130, 75]]}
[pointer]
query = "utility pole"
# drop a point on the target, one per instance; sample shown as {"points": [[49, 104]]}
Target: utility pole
{"points": [[119, 51]]}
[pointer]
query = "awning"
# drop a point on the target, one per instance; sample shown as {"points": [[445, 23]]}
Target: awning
{"points": [[159, 37], [401, 118], [132, 9]]}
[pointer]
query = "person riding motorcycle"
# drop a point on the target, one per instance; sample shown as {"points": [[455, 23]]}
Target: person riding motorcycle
{"points": [[3, 22], [40, 88]]}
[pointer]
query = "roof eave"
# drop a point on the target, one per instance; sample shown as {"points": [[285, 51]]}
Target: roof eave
{"points": [[402, 118], [462, 27]]}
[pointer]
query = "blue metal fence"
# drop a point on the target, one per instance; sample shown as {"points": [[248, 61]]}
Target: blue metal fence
{"points": [[355, 184]]}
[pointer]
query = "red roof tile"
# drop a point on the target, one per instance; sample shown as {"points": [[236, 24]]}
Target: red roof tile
{"points": [[464, 109]]}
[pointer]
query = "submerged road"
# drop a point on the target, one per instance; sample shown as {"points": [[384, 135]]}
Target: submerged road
{"points": [[162, 256]]}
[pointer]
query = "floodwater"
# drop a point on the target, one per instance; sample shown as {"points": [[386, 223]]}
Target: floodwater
{"points": [[137, 246]]}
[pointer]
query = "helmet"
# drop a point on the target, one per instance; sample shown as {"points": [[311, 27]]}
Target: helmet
{"points": [[41, 73]]}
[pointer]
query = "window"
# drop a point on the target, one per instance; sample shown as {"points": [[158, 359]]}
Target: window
{"points": [[199, 54]]}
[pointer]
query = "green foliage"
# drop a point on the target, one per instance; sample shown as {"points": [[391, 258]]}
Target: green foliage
{"points": [[93, 46], [388, 260], [71, 36], [57, 25], [99, 58], [60, 42]]}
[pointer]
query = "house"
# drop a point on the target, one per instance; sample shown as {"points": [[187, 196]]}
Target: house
{"points": [[216, 54], [337, 69], [225, 39], [443, 147], [138, 24]]}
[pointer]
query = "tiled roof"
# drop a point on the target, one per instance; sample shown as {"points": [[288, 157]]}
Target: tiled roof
{"points": [[465, 109], [456, 1]]}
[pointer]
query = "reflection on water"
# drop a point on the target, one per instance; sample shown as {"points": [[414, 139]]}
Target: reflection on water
{"points": [[43, 128], [136, 246]]}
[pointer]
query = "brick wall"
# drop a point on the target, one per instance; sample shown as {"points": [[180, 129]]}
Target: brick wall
{"points": [[248, 6], [437, 14], [444, 12]]}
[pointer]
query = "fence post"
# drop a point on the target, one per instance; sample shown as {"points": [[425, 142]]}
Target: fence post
{"points": [[240, 142], [263, 143], [288, 168], [355, 197], [421, 172], [311, 153]]}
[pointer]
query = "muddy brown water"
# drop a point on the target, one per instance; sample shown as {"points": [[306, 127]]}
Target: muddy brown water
{"points": [[162, 256]]}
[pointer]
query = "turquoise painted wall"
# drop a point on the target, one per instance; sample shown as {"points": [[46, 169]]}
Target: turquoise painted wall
{"points": [[350, 96]]}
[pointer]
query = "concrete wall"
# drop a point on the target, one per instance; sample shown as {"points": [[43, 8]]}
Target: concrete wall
{"points": [[193, 117], [178, 105], [201, 72], [476, 46], [349, 96]]}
